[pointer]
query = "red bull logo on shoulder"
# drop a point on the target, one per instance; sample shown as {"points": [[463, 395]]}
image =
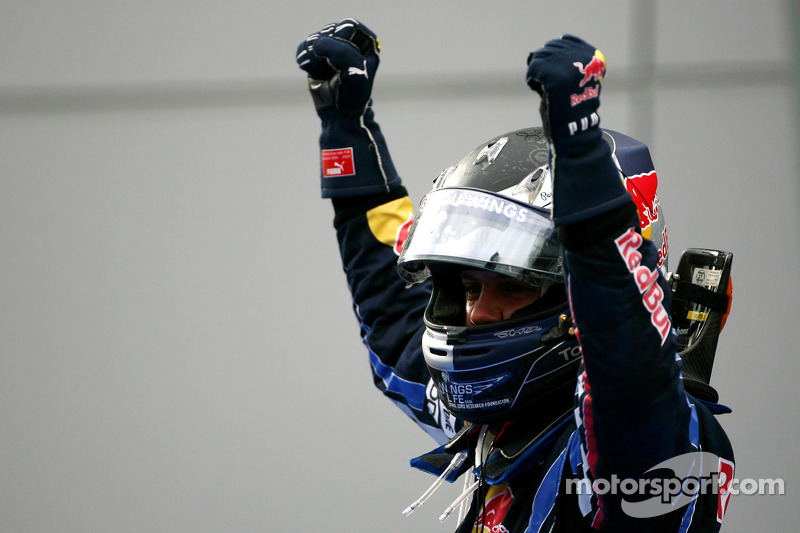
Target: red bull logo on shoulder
{"points": [[391, 222]]}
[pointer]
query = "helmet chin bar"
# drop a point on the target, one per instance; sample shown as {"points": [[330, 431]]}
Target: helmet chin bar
{"points": [[486, 372]]}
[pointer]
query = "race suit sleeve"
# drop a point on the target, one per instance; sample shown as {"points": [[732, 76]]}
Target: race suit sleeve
{"points": [[632, 410], [370, 232], [372, 215]]}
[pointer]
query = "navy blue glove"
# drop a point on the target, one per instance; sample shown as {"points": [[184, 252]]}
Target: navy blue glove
{"points": [[567, 73], [341, 61]]}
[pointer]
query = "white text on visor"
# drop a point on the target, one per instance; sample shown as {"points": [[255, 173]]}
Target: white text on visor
{"points": [[474, 228]]}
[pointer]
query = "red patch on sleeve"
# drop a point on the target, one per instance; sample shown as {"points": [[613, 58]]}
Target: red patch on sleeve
{"points": [[337, 163]]}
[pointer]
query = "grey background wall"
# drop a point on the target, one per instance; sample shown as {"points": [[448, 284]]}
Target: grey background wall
{"points": [[177, 349]]}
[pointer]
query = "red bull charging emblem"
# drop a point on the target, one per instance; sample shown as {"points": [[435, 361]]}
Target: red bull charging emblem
{"points": [[498, 501], [594, 70]]}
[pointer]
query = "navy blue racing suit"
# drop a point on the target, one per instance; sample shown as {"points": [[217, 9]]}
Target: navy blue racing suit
{"points": [[631, 410]]}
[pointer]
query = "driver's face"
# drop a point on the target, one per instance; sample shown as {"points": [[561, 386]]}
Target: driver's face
{"points": [[493, 297]]}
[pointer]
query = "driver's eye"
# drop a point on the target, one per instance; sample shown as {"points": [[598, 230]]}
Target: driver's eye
{"points": [[472, 290]]}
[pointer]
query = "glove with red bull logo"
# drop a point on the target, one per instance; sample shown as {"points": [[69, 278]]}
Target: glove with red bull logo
{"points": [[341, 61], [567, 74]]}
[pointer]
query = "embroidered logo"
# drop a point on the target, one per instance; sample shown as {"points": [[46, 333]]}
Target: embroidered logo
{"points": [[498, 501], [646, 281], [594, 69], [355, 71]]}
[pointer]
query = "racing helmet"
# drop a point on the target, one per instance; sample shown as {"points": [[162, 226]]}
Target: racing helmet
{"points": [[491, 211]]}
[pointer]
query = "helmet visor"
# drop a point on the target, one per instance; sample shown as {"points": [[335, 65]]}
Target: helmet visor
{"points": [[479, 229]]}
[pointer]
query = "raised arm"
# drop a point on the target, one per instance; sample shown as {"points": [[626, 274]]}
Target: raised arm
{"points": [[372, 216], [633, 410]]}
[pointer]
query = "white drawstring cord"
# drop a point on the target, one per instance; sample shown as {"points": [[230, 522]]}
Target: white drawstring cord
{"points": [[456, 462], [447, 512], [481, 452], [464, 507]]}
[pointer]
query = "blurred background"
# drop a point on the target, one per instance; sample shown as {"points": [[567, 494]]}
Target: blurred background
{"points": [[177, 346]]}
